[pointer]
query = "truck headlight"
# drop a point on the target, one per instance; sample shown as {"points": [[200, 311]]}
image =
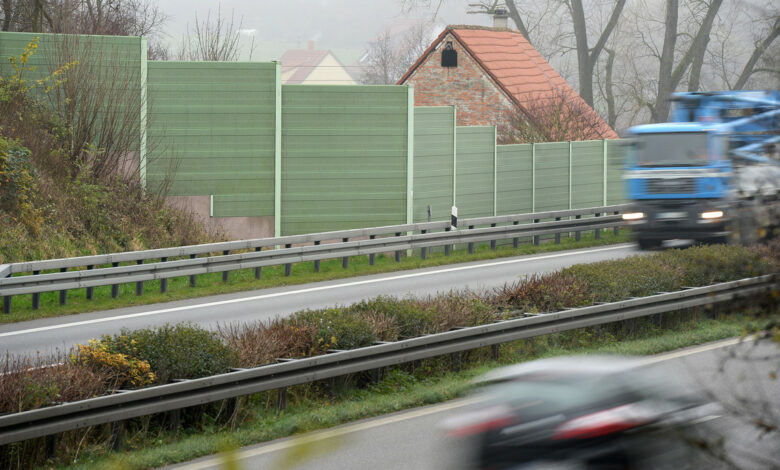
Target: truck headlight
{"points": [[634, 216], [709, 215]]}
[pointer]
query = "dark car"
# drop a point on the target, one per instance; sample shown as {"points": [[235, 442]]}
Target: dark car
{"points": [[582, 412]]}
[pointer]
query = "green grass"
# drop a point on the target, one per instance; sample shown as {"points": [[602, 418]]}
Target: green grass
{"points": [[399, 390], [302, 273]]}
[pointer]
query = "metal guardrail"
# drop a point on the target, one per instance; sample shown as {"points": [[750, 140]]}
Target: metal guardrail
{"points": [[401, 237], [121, 406]]}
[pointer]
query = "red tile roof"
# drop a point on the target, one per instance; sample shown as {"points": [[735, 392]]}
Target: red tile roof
{"points": [[515, 66]]}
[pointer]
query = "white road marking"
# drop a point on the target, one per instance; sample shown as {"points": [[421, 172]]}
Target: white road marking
{"points": [[215, 462], [305, 291]]}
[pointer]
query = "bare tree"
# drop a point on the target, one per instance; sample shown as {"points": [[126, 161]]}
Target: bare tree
{"points": [[389, 57], [554, 117], [215, 39]]}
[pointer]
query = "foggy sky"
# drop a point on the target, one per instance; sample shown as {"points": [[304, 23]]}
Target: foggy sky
{"points": [[333, 24]]}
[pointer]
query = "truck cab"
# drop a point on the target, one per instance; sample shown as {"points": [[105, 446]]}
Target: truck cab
{"points": [[685, 177]]}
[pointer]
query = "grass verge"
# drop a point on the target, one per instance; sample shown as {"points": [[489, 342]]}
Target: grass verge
{"points": [[302, 273], [400, 389]]}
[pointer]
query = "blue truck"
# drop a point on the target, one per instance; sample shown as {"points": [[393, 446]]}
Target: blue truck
{"points": [[710, 174]]}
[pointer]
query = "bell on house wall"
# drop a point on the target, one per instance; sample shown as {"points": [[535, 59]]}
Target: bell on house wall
{"points": [[449, 56]]}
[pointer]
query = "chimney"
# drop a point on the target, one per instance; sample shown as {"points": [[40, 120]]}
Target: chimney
{"points": [[311, 45], [500, 18]]}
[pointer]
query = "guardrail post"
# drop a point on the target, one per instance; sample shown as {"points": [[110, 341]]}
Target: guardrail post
{"points": [[398, 252], [372, 256], [139, 286], [174, 419], [225, 274], [163, 281], [258, 270], [456, 362], [536, 237], [116, 435], [114, 287], [316, 261], [50, 445], [558, 235], [447, 248], [577, 234], [193, 277], [597, 232], [516, 240], [471, 244], [492, 242], [6, 304], [281, 399], [90, 289], [345, 260], [494, 351], [288, 266], [36, 298], [423, 250], [64, 292], [616, 230]]}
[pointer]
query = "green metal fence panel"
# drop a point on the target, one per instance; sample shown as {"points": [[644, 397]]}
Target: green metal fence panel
{"points": [[514, 179], [434, 152], [552, 176], [344, 151], [475, 149], [615, 186], [587, 174], [212, 125]]}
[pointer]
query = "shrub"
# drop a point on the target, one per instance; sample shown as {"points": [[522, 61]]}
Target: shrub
{"points": [[545, 293], [336, 328], [181, 351], [17, 184], [407, 316]]}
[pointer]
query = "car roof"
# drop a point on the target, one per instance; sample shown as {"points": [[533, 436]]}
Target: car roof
{"points": [[575, 365]]}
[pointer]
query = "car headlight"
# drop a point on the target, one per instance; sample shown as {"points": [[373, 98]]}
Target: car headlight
{"points": [[712, 215], [634, 216]]}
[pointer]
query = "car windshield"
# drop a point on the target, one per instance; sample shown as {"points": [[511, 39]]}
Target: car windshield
{"points": [[670, 149]]}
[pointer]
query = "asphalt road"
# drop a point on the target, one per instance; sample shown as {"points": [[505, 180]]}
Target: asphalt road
{"points": [[48, 335], [737, 375]]}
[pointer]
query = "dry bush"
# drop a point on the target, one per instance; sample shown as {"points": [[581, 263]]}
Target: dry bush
{"points": [[545, 293], [29, 383], [261, 343], [456, 309], [558, 116]]}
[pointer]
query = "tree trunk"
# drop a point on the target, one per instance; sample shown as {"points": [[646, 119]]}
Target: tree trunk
{"points": [[660, 110]]}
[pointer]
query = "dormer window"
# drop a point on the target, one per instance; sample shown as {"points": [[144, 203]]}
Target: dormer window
{"points": [[449, 56]]}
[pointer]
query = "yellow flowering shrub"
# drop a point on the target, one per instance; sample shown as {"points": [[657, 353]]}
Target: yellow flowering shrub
{"points": [[124, 371]]}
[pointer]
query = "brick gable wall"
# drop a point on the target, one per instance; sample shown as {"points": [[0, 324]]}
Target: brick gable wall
{"points": [[479, 102]]}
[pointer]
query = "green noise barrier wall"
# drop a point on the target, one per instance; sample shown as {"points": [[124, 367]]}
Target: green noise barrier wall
{"points": [[345, 154], [514, 179], [434, 162], [212, 126], [475, 188]]}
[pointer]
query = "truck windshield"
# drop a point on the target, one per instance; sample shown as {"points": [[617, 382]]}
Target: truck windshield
{"points": [[670, 149]]}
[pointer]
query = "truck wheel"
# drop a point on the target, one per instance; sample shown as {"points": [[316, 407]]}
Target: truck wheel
{"points": [[648, 243]]}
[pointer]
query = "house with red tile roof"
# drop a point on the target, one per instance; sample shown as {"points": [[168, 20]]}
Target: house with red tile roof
{"points": [[312, 66], [495, 77]]}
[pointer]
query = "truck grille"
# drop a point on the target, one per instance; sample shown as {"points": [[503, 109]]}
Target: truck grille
{"points": [[671, 186]]}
